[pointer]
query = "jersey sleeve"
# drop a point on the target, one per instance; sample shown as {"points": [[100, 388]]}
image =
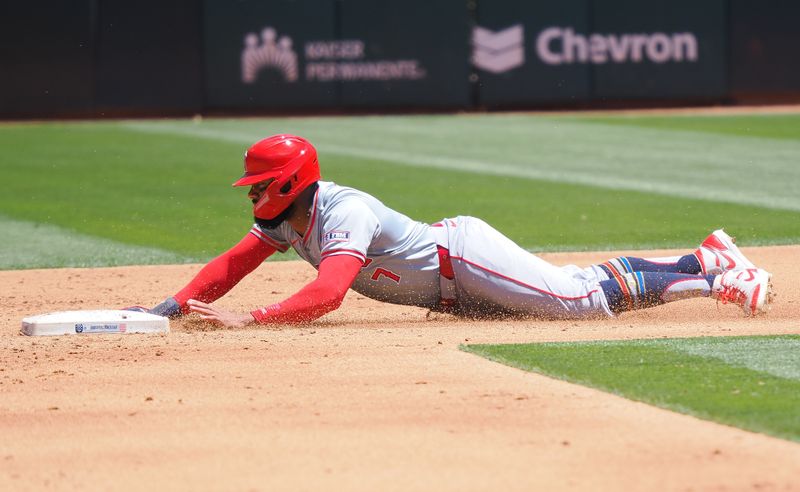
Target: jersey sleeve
{"points": [[271, 238], [321, 296], [348, 229], [223, 272]]}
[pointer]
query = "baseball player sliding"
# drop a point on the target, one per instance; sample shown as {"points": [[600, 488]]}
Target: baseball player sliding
{"points": [[460, 265]]}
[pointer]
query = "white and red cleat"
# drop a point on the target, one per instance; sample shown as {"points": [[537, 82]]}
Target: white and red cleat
{"points": [[751, 289], [718, 254]]}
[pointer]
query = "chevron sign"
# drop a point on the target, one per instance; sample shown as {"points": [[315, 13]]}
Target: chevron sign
{"points": [[498, 52]]}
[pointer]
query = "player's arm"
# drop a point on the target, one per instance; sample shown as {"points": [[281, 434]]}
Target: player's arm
{"points": [[219, 276], [350, 226], [323, 295]]}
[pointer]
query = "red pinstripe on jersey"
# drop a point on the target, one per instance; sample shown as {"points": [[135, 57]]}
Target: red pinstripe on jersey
{"points": [[518, 282], [275, 244], [310, 227], [350, 252], [451, 222]]}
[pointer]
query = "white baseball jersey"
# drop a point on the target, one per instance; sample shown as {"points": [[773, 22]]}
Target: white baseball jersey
{"points": [[401, 265], [399, 254]]}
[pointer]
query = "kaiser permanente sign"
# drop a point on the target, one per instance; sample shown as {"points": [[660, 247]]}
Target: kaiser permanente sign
{"points": [[562, 45]]}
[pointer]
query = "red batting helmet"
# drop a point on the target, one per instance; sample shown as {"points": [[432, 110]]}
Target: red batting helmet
{"points": [[291, 160]]}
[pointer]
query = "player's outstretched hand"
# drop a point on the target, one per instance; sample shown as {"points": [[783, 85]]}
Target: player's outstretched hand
{"points": [[216, 316]]}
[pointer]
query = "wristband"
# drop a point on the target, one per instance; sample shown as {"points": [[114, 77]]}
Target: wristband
{"points": [[264, 314], [169, 308]]}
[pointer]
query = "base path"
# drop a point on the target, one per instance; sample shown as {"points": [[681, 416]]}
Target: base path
{"points": [[371, 397]]}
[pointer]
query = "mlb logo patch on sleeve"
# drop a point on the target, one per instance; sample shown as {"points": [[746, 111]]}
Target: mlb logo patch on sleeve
{"points": [[337, 236]]}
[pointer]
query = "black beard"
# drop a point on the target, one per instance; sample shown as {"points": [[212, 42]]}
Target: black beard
{"points": [[278, 220]]}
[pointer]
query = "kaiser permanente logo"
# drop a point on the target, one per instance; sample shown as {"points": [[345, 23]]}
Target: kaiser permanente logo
{"points": [[268, 53], [502, 51], [326, 61]]}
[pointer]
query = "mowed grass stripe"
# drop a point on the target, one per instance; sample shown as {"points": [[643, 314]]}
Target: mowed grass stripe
{"points": [[770, 125], [544, 216], [143, 190], [29, 245], [779, 356], [663, 373], [173, 193], [700, 165]]}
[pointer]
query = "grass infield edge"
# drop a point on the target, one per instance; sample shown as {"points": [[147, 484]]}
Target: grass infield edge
{"points": [[633, 393]]}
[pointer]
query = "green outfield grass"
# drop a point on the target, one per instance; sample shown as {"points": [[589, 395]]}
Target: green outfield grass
{"points": [[748, 382], [753, 125], [155, 191]]}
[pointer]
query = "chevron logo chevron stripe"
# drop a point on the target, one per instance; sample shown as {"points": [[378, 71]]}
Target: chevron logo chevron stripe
{"points": [[500, 51]]}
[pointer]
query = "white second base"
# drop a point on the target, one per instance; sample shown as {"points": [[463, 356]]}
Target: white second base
{"points": [[91, 322]]}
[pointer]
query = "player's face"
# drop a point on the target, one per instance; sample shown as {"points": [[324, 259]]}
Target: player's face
{"points": [[258, 189]]}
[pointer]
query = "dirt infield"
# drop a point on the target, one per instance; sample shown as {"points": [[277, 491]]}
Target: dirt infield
{"points": [[371, 397]]}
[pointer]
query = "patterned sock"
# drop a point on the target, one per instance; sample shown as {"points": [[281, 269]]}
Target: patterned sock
{"points": [[637, 290], [672, 264]]}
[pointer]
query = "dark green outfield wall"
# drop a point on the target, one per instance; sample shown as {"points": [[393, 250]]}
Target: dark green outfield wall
{"points": [[104, 57]]}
